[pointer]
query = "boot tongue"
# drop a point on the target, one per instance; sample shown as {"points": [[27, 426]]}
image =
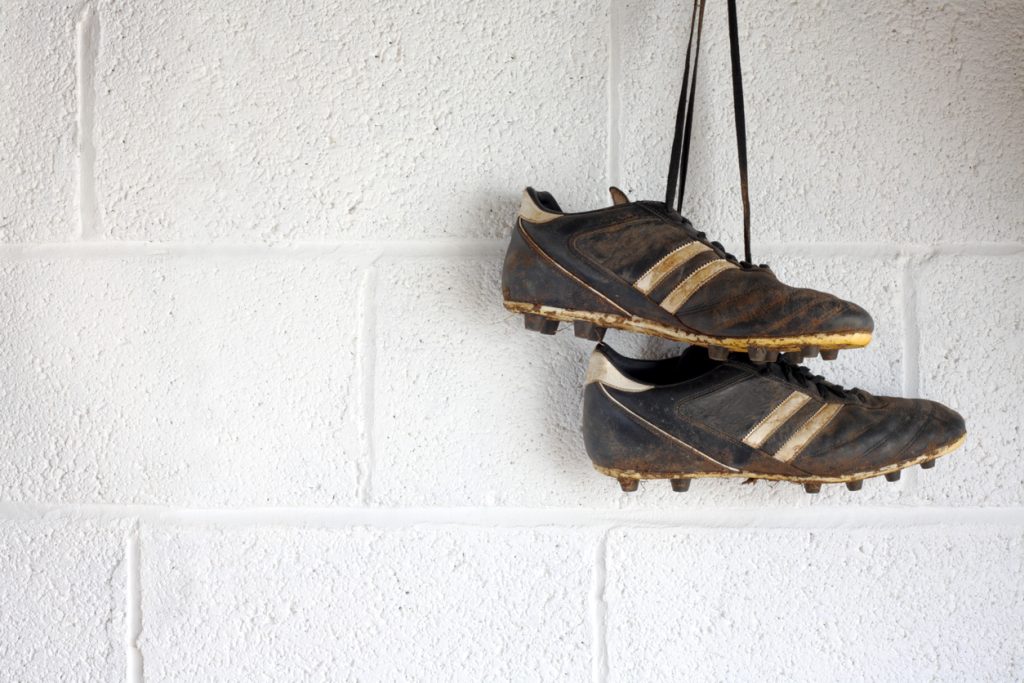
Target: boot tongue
{"points": [[692, 363], [696, 354], [618, 196], [696, 360]]}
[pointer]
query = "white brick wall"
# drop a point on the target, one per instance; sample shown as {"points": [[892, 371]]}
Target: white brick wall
{"points": [[262, 416], [37, 121], [63, 596], [858, 604], [425, 603]]}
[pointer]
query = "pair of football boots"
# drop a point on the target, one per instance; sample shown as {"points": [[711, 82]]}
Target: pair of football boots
{"points": [[737, 402]]}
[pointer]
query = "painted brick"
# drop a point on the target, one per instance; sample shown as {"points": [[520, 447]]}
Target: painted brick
{"points": [[37, 121], [179, 380], [231, 377], [934, 603], [62, 589], [271, 122], [967, 303], [470, 409], [360, 604], [884, 123]]}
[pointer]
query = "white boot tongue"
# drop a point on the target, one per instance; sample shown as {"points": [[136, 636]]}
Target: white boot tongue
{"points": [[618, 196]]}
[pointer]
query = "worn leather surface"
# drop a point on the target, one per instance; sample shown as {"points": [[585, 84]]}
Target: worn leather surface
{"points": [[661, 430], [740, 301], [614, 438], [554, 242], [607, 250], [530, 277], [897, 430]]}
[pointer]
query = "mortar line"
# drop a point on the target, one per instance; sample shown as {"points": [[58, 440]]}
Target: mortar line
{"points": [[911, 333], [459, 248], [910, 338], [367, 379], [599, 611], [87, 50], [133, 606], [613, 170], [367, 249], [812, 516]]}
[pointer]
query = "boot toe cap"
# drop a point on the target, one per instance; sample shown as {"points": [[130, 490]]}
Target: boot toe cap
{"points": [[850, 317], [946, 426]]}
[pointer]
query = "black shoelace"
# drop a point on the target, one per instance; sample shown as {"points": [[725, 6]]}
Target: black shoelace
{"points": [[679, 162], [803, 377]]}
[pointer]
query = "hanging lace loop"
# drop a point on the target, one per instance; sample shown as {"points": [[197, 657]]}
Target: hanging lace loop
{"points": [[741, 124], [679, 158]]}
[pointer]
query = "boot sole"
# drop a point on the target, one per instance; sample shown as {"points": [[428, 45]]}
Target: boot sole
{"points": [[630, 479], [588, 325]]}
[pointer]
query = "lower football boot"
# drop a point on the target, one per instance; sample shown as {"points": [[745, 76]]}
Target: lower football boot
{"points": [[642, 267], [691, 417]]}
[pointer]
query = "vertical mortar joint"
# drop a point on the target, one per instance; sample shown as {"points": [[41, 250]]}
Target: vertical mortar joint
{"points": [[133, 606], [911, 333], [367, 379], [598, 611]]}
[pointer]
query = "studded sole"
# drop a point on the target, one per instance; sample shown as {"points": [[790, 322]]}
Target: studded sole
{"points": [[630, 479], [588, 325]]}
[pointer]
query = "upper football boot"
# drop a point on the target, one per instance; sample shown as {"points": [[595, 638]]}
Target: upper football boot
{"points": [[692, 416], [642, 267]]}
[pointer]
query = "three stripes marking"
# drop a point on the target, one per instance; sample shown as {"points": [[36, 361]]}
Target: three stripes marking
{"points": [[668, 263], [788, 408], [672, 261], [781, 414], [775, 419]]}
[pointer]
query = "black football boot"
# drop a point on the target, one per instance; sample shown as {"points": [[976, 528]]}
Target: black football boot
{"points": [[640, 266], [691, 417]]}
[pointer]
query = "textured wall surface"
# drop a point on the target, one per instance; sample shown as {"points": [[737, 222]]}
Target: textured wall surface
{"points": [[263, 417]]}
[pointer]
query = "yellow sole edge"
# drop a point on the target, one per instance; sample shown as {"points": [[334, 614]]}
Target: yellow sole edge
{"points": [[849, 340], [857, 476]]}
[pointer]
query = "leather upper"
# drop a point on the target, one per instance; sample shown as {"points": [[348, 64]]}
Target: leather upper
{"points": [[709, 418], [609, 250]]}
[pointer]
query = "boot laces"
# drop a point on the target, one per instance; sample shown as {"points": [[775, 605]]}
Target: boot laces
{"points": [[720, 250], [802, 376], [680, 153], [717, 246]]}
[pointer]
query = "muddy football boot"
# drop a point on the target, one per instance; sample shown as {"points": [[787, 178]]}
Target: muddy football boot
{"points": [[691, 416], [641, 267]]}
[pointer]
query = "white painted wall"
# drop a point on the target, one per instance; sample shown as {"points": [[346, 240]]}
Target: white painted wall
{"points": [[263, 417]]}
